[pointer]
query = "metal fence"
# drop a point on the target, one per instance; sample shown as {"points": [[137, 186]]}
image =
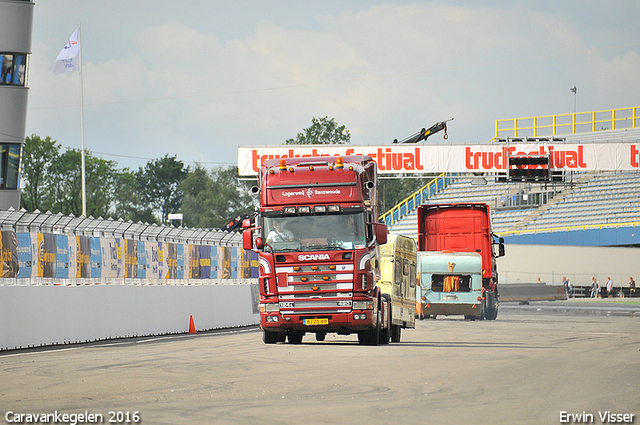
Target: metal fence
{"points": [[43, 248]]}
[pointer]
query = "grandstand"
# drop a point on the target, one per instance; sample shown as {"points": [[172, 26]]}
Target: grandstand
{"points": [[593, 208]]}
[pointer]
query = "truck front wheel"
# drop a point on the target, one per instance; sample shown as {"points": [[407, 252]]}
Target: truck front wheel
{"points": [[372, 336], [270, 337]]}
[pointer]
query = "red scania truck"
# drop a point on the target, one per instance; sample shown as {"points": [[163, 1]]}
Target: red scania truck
{"points": [[458, 228], [318, 237]]}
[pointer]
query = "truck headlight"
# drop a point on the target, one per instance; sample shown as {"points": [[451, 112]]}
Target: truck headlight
{"points": [[269, 307], [363, 305]]}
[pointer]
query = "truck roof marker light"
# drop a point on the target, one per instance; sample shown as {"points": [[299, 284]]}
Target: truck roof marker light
{"points": [[330, 167], [339, 163], [310, 167], [350, 167], [291, 169], [271, 171], [320, 208], [334, 208], [289, 210], [283, 164]]}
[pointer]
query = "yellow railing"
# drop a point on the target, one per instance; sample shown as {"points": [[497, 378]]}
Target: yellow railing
{"points": [[412, 202], [563, 124]]}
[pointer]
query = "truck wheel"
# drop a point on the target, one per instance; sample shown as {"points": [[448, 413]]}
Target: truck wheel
{"points": [[491, 306], [372, 336], [385, 331], [384, 336], [295, 337], [396, 332], [269, 337]]}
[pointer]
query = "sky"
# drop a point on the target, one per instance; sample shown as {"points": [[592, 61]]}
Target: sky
{"points": [[199, 80]]}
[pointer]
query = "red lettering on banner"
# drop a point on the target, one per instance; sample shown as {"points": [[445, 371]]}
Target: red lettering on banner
{"points": [[419, 165], [635, 158], [498, 160]]}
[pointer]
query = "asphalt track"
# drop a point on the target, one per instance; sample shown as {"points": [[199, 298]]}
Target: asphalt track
{"points": [[527, 367]]}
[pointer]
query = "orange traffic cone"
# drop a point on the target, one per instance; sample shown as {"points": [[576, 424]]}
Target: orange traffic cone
{"points": [[192, 326]]}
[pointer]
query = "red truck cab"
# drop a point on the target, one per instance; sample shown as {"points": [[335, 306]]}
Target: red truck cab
{"points": [[464, 227], [318, 237]]}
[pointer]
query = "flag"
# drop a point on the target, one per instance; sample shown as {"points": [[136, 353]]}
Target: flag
{"points": [[68, 60]]}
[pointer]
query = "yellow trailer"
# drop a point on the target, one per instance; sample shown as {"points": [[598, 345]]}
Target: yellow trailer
{"points": [[398, 271]]}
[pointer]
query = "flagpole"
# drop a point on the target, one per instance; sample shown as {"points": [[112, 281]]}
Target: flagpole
{"points": [[82, 164]]}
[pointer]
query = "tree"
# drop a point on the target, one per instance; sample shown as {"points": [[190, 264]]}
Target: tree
{"points": [[395, 188], [322, 131], [65, 195], [128, 200], [38, 155], [212, 199], [159, 184], [53, 180]]}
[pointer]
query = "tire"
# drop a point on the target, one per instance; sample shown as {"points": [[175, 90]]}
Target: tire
{"points": [[385, 332], [295, 337], [491, 306], [385, 335], [320, 336], [269, 337], [372, 336], [396, 333]]}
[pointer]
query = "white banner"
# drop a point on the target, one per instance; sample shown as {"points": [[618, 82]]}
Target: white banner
{"points": [[457, 158]]}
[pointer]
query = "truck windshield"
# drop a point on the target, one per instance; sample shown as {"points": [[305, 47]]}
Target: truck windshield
{"points": [[315, 232]]}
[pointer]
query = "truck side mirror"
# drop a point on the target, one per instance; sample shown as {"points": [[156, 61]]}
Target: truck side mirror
{"points": [[259, 243], [246, 223], [381, 233], [247, 238]]}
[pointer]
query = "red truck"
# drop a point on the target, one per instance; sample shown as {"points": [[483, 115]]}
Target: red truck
{"points": [[464, 228], [318, 237]]}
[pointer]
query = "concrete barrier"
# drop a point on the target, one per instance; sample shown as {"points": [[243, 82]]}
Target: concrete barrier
{"points": [[531, 292], [34, 316]]}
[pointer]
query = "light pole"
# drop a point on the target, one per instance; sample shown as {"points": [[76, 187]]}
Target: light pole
{"points": [[574, 90]]}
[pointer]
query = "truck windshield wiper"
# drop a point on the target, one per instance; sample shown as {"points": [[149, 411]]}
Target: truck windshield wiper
{"points": [[322, 248]]}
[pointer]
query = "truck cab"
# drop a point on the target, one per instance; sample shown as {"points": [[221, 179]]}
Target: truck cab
{"points": [[318, 238]]}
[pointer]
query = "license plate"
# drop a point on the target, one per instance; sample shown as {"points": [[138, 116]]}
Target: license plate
{"points": [[316, 322]]}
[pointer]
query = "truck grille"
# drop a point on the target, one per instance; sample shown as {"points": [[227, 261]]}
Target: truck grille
{"points": [[315, 289]]}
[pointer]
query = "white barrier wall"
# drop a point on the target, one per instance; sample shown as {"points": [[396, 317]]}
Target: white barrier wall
{"points": [[33, 316], [527, 263]]}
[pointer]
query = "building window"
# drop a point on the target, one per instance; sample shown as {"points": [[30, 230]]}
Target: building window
{"points": [[9, 165], [13, 69]]}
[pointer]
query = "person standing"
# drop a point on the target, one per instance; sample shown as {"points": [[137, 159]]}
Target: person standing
{"points": [[632, 287], [609, 287], [565, 284], [595, 288]]}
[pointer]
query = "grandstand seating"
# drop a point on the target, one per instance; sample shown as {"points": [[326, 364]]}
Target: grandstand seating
{"points": [[599, 198]]}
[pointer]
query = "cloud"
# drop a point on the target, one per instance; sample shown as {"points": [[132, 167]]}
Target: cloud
{"points": [[384, 71]]}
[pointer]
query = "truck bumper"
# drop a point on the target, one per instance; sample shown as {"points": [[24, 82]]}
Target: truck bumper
{"points": [[451, 309], [344, 323]]}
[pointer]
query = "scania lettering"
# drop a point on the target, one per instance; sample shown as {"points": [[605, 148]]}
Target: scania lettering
{"points": [[310, 257], [318, 237]]}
